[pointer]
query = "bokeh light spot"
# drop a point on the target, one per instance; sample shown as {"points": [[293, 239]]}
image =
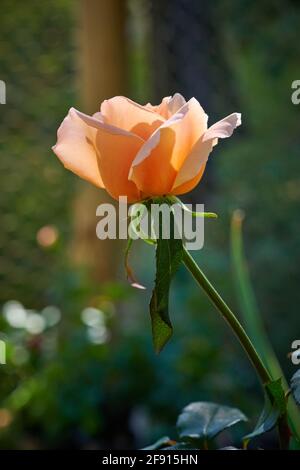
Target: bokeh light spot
{"points": [[47, 236]]}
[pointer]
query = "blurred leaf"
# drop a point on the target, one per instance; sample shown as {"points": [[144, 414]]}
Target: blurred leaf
{"points": [[252, 317], [276, 393], [204, 420], [168, 258], [295, 386], [248, 305], [181, 446], [229, 448], [267, 421], [163, 441], [294, 444], [275, 406]]}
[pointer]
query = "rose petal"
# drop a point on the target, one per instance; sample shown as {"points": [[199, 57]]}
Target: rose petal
{"points": [[97, 121], [193, 167], [189, 185], [162, 108], [116, 153], [224, 128], [169, 105], [156, 165], [130, 116], [75, 148], [175, 103]]}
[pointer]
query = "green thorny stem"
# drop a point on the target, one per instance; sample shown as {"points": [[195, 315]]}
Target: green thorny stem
{"points": [[241, 334]]}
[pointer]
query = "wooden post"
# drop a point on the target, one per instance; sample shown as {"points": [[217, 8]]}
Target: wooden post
{"points": [[102, 75]]}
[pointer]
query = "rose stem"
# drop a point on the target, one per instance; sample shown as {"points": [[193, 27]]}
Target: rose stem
{"points": [[235, 325]]}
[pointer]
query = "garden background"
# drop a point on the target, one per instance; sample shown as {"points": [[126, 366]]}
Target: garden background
{"points": [[81, 371]]}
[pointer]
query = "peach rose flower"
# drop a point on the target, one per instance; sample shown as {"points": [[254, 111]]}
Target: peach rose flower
{"points": [[141, 151]]}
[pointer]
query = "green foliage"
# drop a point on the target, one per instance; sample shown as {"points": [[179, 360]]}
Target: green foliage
{"points": [[202, 421], [181, 446], [257, 171], [274, 409], [162, 442], [295, 386], [35, 189], [253, 320], [168, 258], [60, 388], [169, 254], [198, 424]]}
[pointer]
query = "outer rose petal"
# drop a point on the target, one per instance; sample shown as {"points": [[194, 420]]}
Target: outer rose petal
{"points": [[192, 169], [117, 152], [75, 148], [191, 184], [156, 165], [130, 116], [223, 128], [97, 122]]}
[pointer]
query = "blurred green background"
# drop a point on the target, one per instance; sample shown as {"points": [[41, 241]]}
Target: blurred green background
{"points": [[81, 371]]}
